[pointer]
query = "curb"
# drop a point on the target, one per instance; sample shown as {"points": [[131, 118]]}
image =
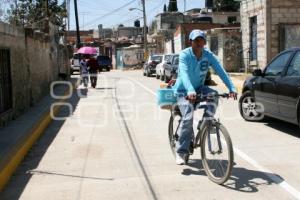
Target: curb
{"points": [[33, 135]]}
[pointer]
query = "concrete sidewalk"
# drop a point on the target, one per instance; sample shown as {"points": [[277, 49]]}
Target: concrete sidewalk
{"points": [[237, 79], [19, 135]]}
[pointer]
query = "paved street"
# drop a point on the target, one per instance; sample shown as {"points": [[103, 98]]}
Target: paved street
{"points": [[115, 146]]}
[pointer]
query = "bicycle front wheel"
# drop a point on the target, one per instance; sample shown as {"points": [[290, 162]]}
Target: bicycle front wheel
{"points": [[217, 153]]}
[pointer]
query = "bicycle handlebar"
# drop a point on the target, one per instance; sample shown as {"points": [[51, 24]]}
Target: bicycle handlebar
{"points": [[201, 97]]}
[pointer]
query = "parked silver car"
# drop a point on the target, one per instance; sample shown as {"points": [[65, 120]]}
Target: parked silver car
{"points": [[150, 66], [171, 68]]}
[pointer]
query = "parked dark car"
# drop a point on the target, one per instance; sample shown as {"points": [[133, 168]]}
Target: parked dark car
{"points": [[171, 68], [104, 62], [150, 66], [274, 91]]}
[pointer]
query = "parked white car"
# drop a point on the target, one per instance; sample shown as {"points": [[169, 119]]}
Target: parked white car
{"points": [[159, 67], [75, 63], [160, 73]]}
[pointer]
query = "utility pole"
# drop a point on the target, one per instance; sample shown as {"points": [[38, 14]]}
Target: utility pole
{"points": [[145, 31], [184, 5], [46, 19], [17, 11], [83, 14], [68, 11], [47, 8], [77, 24]]}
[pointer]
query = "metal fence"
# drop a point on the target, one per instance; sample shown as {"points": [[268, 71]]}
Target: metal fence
{"points": [[5, 81]]}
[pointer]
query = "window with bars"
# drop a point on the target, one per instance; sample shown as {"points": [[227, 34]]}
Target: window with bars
{"points": [[5, 81]]}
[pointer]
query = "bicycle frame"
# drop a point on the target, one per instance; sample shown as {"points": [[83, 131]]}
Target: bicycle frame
{"points": [[202, 125], [210, 129], [208, 123]]}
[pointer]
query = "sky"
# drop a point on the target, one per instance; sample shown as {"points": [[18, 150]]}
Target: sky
{"points": [[111, 13]]}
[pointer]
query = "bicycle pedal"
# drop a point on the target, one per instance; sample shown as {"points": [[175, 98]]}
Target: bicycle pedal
{"points": [[191, 148], [176, 137]]}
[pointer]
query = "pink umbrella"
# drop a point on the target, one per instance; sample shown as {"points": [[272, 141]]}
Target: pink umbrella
{"points": [[87, 50]]}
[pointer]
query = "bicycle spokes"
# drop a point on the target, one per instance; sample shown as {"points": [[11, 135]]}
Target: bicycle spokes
{"points": [[214, 132], [217, 153]]}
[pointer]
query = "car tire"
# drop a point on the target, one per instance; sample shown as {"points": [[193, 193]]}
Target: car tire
{"points": [[167, 79], [248, 108], [148, 73], [108, 68], [71, 72], [299, 117], [156, 76], [162, 77]]}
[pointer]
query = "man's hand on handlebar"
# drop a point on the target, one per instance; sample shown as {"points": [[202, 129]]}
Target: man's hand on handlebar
{"points": [[233, 95], [191, 97]]}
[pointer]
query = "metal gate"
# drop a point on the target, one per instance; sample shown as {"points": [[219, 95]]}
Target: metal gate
{"points": [[5, 81]]}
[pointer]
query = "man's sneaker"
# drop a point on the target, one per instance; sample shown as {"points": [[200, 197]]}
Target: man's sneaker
{"points": [[180, 159]]}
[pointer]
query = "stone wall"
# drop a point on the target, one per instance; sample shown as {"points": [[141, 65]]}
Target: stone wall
{"points": [[251, 8], [34, 60], [271, 15], [283, 12], [13, 38], [228, 47]]}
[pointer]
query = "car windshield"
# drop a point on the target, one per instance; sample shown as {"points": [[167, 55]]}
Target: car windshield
{"points": [[176, 60], [156, 58], [76, 56]]}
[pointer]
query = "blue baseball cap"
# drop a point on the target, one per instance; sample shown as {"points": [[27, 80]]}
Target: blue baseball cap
{"points": [[197, 33]]}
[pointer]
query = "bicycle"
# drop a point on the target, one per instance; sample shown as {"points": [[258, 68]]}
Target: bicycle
{"points": [[213, 139]]}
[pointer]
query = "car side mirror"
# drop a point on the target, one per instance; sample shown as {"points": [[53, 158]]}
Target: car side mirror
{"points": [[257, 72]]}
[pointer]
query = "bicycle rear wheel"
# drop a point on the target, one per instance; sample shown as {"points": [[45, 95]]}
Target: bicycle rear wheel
{"points": [[217, 153], [173, 128]]}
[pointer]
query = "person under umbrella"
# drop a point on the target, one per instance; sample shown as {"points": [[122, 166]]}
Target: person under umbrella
{"points": [[93, 69], [84, 70]]}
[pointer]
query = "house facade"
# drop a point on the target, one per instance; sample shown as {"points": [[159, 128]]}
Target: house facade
{"points": [[268, 27], [181, 35], [133, 34], [226, 44]]}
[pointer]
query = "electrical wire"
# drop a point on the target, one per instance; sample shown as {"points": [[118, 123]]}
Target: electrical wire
{"points": [[108, 14]]}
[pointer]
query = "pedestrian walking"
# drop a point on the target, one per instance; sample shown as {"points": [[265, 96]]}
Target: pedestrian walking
{"points": [[93, 69], [84, 71]]}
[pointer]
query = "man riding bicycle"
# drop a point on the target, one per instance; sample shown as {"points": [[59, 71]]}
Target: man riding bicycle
{"points": [[194, 62]]}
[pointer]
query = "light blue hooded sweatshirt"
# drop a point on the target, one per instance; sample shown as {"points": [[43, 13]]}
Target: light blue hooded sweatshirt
{"points": [[192, 72]]}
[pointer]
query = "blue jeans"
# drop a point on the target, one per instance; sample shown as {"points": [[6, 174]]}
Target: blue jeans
{"points": [[185, 130]]}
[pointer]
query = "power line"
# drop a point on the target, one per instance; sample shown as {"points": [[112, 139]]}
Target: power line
{"points": [[107, 14]]}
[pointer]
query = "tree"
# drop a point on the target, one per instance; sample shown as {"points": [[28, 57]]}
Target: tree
{"points": [[226, 5], [33, 13], [172, 6], [165, 8]]}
